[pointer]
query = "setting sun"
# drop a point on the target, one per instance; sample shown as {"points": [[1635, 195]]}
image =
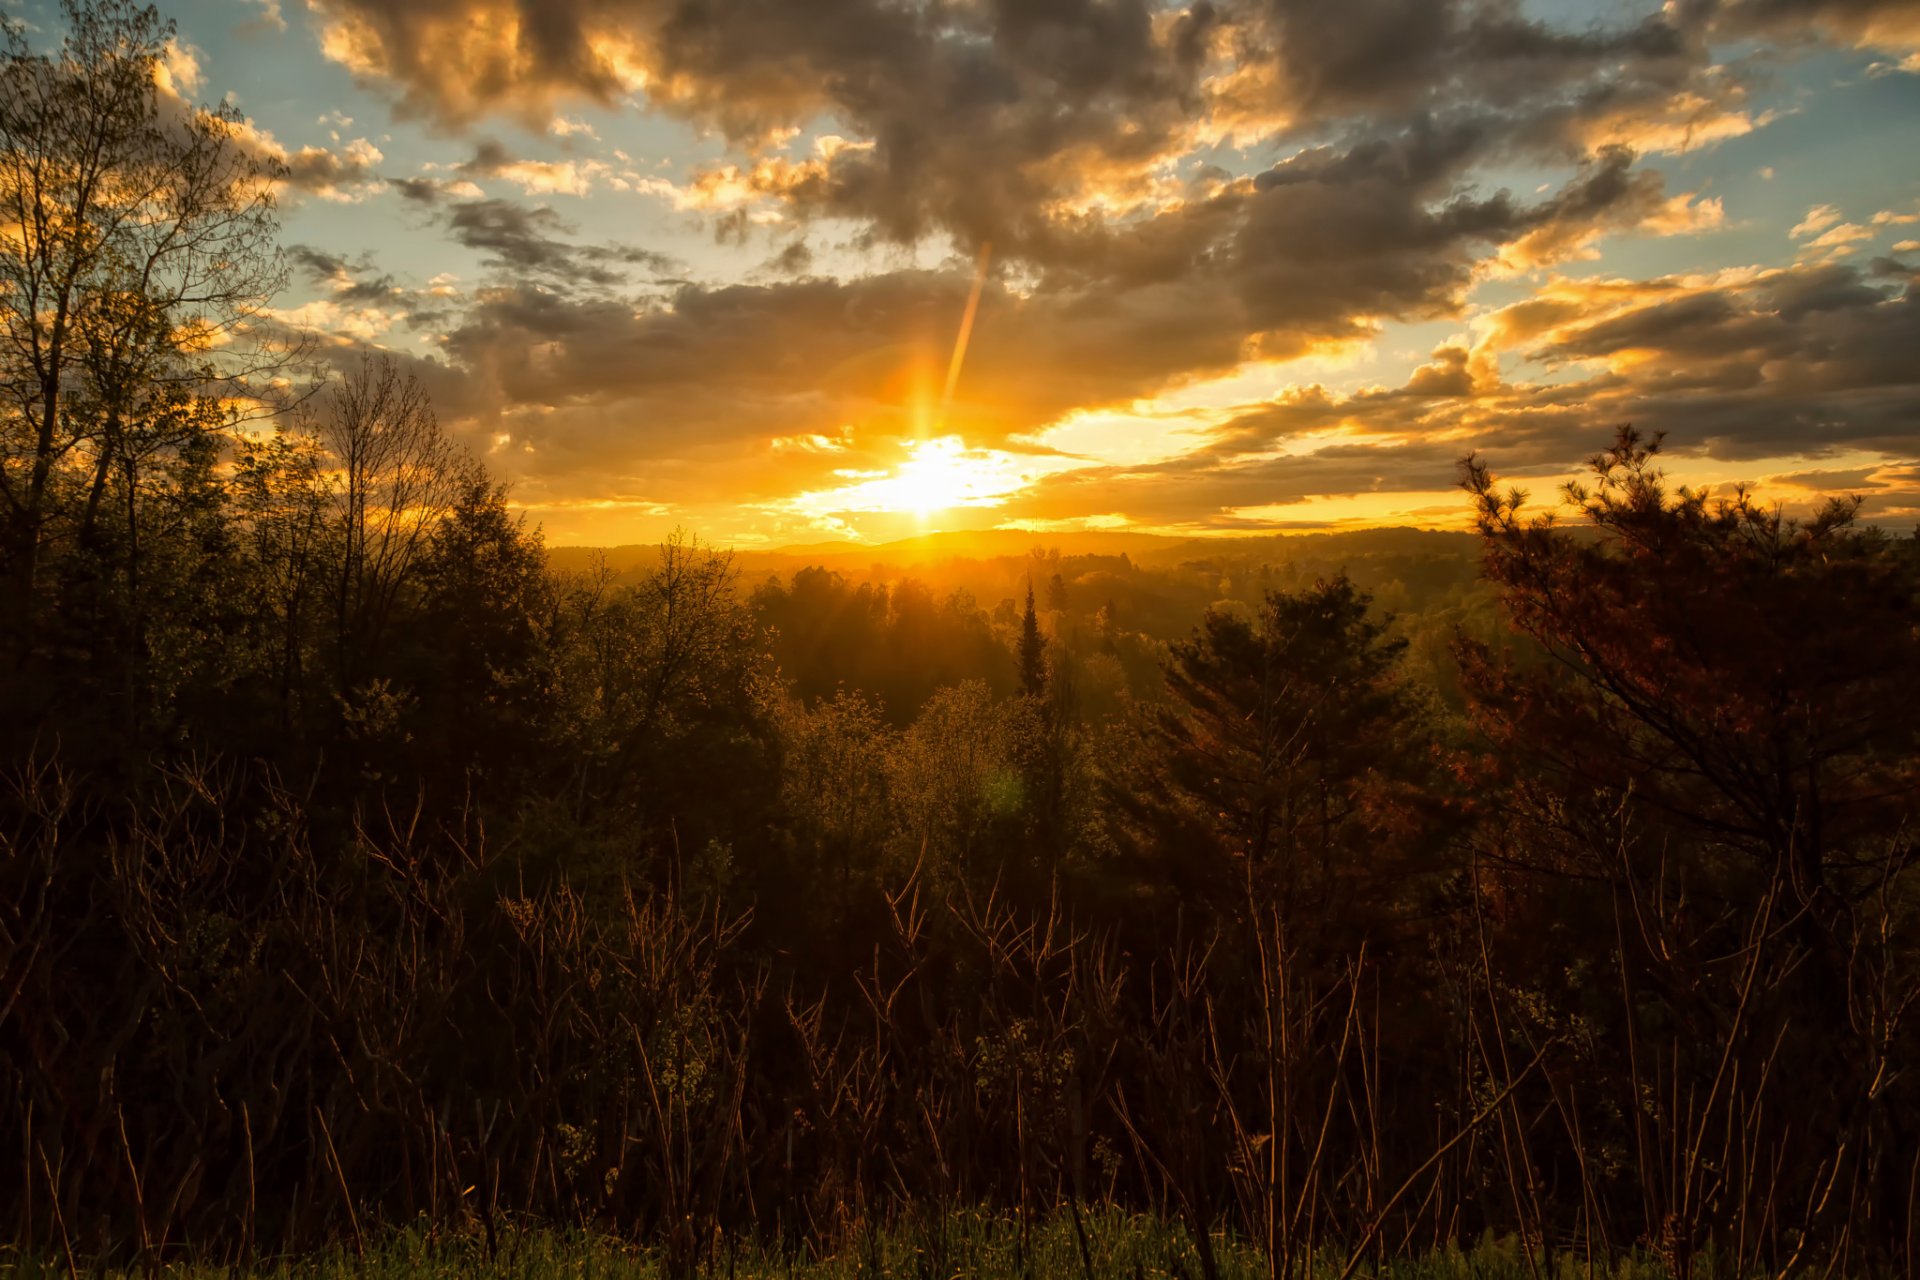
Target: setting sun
{"points": [[938, 475]]}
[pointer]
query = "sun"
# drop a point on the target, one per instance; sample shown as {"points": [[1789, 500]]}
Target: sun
{"points": [[937, 476], [941, 474]]}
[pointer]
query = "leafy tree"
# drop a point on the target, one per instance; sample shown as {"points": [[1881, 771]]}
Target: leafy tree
{"points": [[393, 475], [476, 648], [834, 781], [958, 786], [285, 541], [1744, 675], [666, 703], [137, 250], [897, 644], [1706, 792]]}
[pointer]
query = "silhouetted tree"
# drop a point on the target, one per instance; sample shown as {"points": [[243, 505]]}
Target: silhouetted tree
{"points": [[1742, 674], [1294, 747], [394, 473], [138, 252], [1033, 651], [476, 646], [1709, 789]]}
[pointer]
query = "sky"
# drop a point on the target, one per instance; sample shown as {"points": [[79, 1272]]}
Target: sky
{"points": [[792, 271]]}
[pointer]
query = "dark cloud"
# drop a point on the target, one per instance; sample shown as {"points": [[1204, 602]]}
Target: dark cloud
{"points": [[321, 268], [743, 361], [349, 280], [319, 171], [417, 190], [489, 157], [1361, 58], [794, 260], [519, 239], [996, 120], [1209, 492], [1319, 249], [1800, 361], [1892, 25], [1335, 240]]}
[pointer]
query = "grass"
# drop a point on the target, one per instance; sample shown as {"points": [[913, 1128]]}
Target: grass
{"points": [[1121, 1246]]}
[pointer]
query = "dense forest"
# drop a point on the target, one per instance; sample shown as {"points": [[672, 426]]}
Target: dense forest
{"points": [[362, 862]]}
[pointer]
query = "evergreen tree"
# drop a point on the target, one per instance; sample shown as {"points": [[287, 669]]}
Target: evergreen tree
{"points": [[1033, 651]]}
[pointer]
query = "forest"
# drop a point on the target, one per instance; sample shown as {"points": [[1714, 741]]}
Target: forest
{"points": [[367, 865]]}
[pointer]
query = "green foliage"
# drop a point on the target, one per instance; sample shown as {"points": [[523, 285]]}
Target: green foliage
{"points": [[957, 1244], [897, 644]]}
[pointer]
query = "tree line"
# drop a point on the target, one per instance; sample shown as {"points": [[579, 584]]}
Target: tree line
{"points": [[357, 868]]}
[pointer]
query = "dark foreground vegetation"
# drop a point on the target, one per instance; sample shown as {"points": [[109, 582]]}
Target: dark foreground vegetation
{"points": [[958, 1244], [359, 872]]}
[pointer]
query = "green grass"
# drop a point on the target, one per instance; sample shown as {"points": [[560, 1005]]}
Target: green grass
{"points": [[1121, 1246]]}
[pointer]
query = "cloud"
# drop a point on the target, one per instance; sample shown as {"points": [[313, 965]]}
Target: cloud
{"points": [[1012, 121], [178, 74], [345, 174], [1335, 242], [1803, 362], [1208, 493], [1031, 124], [1794, 361], [1818, 219], [268, 21], [1318, 251], [1171, 193], [431, 191], [348, 280], [491, 159], [1890, 26], [516, 238], [359, 302], [819, 357]]}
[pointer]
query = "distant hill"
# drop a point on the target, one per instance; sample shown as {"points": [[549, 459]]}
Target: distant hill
{"points": [[1146, 549]]}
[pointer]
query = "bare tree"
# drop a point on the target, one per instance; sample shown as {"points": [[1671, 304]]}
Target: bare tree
{"points": [[395, 474]]}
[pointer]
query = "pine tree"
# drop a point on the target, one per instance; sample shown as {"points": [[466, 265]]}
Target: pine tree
{"points": [[1033, 650]]}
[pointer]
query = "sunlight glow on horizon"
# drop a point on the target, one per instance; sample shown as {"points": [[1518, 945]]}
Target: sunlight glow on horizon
{"points": [[940, 474]]}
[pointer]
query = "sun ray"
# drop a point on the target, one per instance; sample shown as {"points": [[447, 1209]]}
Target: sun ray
{"points": [[965, 336]]}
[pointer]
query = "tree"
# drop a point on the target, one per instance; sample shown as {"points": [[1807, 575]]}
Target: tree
{"points": [[1292, 745], [1033, 651], [136, 250], [834, 783], [1720, 738], [666, 694], [395, 474], [1057, 593], [475, 648], [1746, 676], [280, 505]]}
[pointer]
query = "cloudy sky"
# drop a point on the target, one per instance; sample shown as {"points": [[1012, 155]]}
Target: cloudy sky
{"points": [[1231, 264]]}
